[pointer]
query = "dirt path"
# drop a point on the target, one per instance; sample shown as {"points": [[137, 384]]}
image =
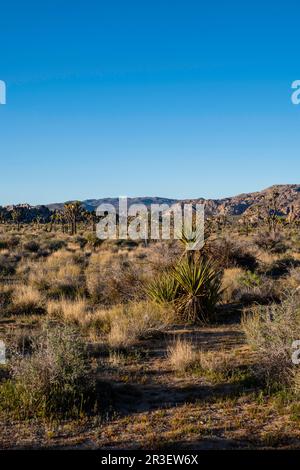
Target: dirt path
{"points": [[155, 408]]}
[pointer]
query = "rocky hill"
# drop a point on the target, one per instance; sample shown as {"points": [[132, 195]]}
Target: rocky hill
{"points": [[288, 201], [289, 196]]}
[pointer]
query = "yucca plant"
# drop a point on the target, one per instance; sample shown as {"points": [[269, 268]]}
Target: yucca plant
{"points": [[192, 286], [199, 287], [164, 289]]}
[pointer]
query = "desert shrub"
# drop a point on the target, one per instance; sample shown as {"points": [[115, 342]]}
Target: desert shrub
{"points": [[270, 331], [162, 256], [55, 378], [258, 289], [32, 246], [293, 278], [269, 241], [7, 265], [229, 254], [129, 244], [250, 279], [112, 279], [9, 243], [56, 245], [4, 245], [281, 267], [181, 355], [6, 293], [93, 241], [82, 241]]}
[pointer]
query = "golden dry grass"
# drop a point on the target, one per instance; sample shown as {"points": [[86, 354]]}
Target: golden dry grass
{"points": [[230, 282], [26, 298], [181, 355]]}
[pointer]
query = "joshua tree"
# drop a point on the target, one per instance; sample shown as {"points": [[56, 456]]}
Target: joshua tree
{"points": [[246, 224], [272, 210], [3, 215], [91, 218], [53, 219], [72, 212], [38, 220], [17, 216]]}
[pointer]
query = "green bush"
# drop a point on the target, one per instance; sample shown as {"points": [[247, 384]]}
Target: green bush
{"points": [[55, 378], [270, 331]]}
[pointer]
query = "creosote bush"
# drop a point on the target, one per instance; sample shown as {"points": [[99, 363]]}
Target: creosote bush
{"points": [[113, 279], [55, 378], [269, 241], [270, 331], [228, 253]]}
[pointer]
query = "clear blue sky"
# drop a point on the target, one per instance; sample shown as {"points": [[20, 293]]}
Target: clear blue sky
{"points": [[169, 98]]}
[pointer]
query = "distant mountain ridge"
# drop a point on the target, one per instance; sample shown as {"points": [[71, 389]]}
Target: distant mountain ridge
{"points": [[288, 200], [289, 196], [92, 204]]}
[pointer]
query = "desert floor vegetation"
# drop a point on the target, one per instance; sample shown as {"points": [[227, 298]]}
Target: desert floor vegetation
{"points": [[133, 345]]}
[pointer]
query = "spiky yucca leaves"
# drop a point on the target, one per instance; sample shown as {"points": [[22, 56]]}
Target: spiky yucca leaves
{"points": [[192, 286], [199, 288], [164, 289]]}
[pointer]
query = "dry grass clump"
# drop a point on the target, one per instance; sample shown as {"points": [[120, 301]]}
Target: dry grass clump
{"points": [[123, 325], [93, 323], [127, 324], [59, 275], [217, 366], [270, 331], [121, 335], [96, 274], [181, 355], [27, 300], [231, 283], [72, 311]]}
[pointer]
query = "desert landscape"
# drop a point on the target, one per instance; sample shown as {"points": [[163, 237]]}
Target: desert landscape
{"points": [[124, 344]]}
